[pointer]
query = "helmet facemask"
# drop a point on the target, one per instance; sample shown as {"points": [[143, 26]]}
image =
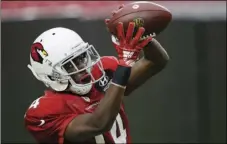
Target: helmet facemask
{"points": [[77, 67]]}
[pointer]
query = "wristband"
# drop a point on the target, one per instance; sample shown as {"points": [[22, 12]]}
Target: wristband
{"points": [[121, 75]]}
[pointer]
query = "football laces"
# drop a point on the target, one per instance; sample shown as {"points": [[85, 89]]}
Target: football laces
{"points": [[146, 36]]}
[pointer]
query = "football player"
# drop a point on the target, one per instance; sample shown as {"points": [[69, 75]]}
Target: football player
{"points": [[83, 102]]}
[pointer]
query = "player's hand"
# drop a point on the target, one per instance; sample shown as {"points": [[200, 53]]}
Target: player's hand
{"points": [[128, 47]]}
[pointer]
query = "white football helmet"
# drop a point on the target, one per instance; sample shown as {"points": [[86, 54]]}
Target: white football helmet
{"points": [[56, 50]]}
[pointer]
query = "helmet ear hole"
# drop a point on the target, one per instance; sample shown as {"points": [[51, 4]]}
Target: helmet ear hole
{"points": [[51, 78]]}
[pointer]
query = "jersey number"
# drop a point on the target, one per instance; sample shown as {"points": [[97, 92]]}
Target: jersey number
{"points": [[118, 132], [35, 103]]}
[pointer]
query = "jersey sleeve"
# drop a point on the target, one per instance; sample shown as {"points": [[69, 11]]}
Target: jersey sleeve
{"points": [[49, 129]]}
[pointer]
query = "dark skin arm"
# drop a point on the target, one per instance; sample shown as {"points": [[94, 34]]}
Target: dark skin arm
{"points": [[101, 120], [154, 60]]}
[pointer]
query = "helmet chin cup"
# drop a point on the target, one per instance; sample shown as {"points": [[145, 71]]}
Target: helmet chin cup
{"points": [[81, 89]]}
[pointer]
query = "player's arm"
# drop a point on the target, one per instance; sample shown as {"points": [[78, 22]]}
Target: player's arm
{"points": [[88, 125], [153, 61]]}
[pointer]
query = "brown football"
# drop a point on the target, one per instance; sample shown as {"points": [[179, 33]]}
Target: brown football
{"points": [[153, 17]]}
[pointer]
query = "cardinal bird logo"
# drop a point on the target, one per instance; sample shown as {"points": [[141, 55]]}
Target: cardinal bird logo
{"points": [[38, 52]]}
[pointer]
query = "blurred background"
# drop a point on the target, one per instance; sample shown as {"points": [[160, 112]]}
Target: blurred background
{"points": [[185, 103]]}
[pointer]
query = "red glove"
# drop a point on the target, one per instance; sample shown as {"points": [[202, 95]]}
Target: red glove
{"points": [[128, 48]]}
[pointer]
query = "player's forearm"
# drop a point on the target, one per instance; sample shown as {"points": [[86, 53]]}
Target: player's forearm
{"points": [[155, 53], [88, 125], [101, 120], [110, 105], [154, 60]]}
